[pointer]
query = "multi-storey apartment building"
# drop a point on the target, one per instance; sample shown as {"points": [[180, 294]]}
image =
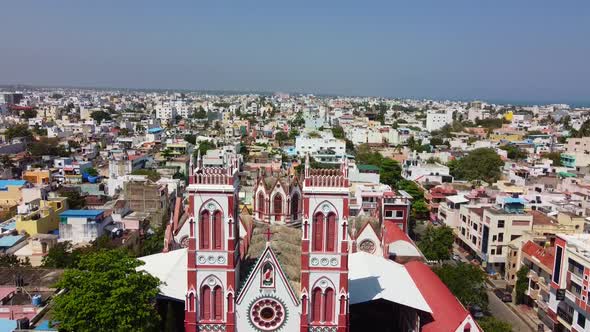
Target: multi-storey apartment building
{"points": [[486, 231], [569, 306]]}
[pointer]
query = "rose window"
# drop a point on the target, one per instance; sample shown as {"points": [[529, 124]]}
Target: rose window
{"points": [[267, 314]]}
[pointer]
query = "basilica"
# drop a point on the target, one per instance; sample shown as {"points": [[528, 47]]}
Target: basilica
{"points": [[305, 256]]}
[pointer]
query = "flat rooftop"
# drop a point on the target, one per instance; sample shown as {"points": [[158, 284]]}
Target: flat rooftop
{"points": [[82, 213]]}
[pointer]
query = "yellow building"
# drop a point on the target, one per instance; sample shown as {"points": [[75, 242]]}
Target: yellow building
{"points": [[10, 192], [508, 115], [37, 176], [40, 217]]}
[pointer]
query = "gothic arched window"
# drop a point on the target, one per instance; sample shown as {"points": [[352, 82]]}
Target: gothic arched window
{"points": [[318, 232], [329, 305], [295, 207], [217, 230], [206, 303], [331, 232], [278, 206], [204, 230], [316, 304], [217, 312], [260, 204]]}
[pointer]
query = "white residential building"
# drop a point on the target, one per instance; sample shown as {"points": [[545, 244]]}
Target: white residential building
{"points": [[435, 120]]}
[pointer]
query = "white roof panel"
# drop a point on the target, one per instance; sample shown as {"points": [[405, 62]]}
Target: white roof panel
{"points": [[373, 277]]}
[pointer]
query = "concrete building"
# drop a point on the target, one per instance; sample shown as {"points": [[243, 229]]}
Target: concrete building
{"points": [[435, 120], [568, 296], [82, 226], [487, 231], [40, 216]]}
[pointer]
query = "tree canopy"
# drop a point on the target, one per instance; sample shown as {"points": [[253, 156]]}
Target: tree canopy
{"points": [[514, 152], [152, 175], [100, 116], [466, 282], [522, 284], [479, 164], [105, 293], [75, 200], [493, 324], [19, 130], [436, 243], [554, 156]]}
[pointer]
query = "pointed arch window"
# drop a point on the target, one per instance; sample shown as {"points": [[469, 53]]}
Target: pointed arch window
{"points": [[191, 302], [316, 304], [329, 305], [318, 232], [204, 230], [217, 313], [217, 230], [278, 205], [260, 204], [206, 303], [331, 232], [295, 207]]}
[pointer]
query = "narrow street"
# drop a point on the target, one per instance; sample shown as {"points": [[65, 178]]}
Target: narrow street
{"points": [[501, 311]]}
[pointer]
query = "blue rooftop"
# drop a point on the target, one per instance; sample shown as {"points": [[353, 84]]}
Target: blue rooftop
{"points": [[512, 200], [7, 183], [82, 213], [44, 326], [10, 240], [155, 130]]}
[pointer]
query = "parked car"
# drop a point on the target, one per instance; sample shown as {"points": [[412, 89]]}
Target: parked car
{"points": [[503, 295], [476, 312]]}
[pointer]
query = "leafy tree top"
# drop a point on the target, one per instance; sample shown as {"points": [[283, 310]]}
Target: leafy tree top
{"points": [[106, 293]]}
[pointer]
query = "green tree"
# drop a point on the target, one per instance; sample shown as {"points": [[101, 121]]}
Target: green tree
{"points": [[281, 136], [166, 154], [514, 152], [100, 116], [106, 293], [152, 175], [419, 209], [479, 164], [191, 138], [522, 283], [554, 156], [411, 188], [61, 256], [47, 147], [205, 146], [493, 324], [8, 260], [390, 172], [293, 133], [200, 113], [28, 114], [75, 200], [19, 130], [466, 282], [436, 243], [338, 132], [91, 171]]}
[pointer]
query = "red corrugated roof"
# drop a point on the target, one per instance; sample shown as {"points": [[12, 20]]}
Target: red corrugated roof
{"points": [[392, 233], [544, 255], [448, 313]]}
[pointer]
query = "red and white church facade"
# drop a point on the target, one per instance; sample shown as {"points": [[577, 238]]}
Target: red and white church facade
{"points": [[322, 281], [217, 301]]}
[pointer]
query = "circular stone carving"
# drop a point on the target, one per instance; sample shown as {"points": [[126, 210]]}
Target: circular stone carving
{"points": [[220, 259], [323, 283], [184, 242], [333, 262], [202, 259], [367, 246], [315, 261], [267, 314], [211, 259], [325, 261], [211, 281], [211, 206], [326, 208]]}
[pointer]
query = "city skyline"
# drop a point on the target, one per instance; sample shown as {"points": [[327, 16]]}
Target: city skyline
{"points": [[515, 53]]}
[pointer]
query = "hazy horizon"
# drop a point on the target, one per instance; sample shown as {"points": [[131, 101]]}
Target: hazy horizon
{"points": [[525, 52]]}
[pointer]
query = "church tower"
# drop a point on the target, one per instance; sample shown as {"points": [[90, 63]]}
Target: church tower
{"points": [[324, 249], [213, 254]]}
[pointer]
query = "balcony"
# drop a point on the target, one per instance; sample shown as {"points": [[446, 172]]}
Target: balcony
{"points": [[565, 317], [533, 293], [369, 205], [533, 276]]}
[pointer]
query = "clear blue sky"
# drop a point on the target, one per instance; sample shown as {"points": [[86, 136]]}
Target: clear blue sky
{"points": [[515, 50]]}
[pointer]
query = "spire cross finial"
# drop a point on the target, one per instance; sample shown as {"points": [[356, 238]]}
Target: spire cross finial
{"points": [[268, 234]]}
